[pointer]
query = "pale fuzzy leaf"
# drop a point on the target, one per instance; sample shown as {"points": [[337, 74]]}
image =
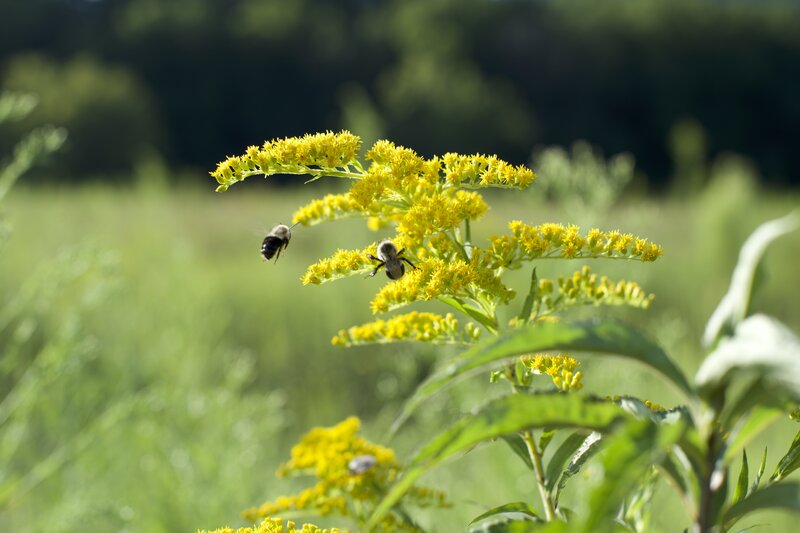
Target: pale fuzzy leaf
{"points": [[760, 345], [733, 307]]}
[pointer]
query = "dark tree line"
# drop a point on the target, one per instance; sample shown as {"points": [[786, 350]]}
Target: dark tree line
{"points": [[193, 80]]}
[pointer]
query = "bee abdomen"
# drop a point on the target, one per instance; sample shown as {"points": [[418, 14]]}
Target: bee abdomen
{"points": [[270, 246], [395, 272]]}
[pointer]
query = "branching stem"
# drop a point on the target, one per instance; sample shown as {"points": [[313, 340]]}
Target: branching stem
{"points": [[536, 459]]}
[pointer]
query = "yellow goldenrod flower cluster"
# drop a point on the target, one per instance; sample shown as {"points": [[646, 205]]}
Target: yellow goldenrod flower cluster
{"points": [[274, 525], [558, 241], [349, 469], [482, 171], [341, 264], [330, 207], [413, 326], [434, 278], [318, 154], [561, 368], [585, 288]]}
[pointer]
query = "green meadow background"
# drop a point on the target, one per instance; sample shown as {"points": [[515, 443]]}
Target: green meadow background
{"points": [[154, 370], [160, 370]]}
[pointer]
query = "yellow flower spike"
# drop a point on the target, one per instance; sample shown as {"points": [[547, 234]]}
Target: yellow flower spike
{"points": [[274, 525], [484, 171], [317, 154], [352, 473], [561, 368], [435, 277], [584, 288], [558, 241], [426, 327], [342, 264], [330, 207], [403, 161]]}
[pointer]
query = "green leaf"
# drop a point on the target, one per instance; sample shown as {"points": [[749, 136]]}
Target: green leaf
{"points": [[503, 416], [760, 419], [545, 439], [790, 462], [760, 471], [732, 309], [509, 511], [778, 496], [470, 311], [587, 449], [591, 337], [744, 478], [628, 453], [762, 350], [562, 454], [519, 447], [508, 526], [680, 473]]}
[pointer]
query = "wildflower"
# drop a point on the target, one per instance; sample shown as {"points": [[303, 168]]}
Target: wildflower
{"points": [[434, 278], [561, 368], [328, 453], [548, 241], [322, 153], [342, 263], [414, 326], [330, 207], [484, 171], [274, 525]]}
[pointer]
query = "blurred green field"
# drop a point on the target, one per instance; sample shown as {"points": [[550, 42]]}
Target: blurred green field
{"points": [[159, 370]]}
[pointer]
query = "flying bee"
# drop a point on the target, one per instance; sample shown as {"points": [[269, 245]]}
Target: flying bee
{"points": [[389, 257], [275, 241]]}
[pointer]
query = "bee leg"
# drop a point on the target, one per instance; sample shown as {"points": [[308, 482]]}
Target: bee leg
{"points": [[409, 262], [380, 264]]}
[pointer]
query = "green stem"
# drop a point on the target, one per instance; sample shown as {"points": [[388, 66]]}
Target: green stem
{"points": [[487, 321], [527, 307], [467, 239], [536, 459], [455, 241]]}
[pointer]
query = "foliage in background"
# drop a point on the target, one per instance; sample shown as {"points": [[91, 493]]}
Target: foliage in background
{"points": [[81, 422], [447, 75]]}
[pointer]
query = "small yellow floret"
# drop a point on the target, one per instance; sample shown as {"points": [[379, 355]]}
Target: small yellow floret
{"points": [[561, 368]]}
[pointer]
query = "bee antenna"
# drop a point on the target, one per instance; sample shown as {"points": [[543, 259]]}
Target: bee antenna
{"points": [[293, 225]]}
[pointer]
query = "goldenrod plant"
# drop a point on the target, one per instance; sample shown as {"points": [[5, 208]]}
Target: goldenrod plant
{"points": [[426, 208]]}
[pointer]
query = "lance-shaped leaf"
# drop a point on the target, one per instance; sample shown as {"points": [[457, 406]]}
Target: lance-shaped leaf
{"points": [[778, 496], [610, 338], [744, 477], [562, 454], [587, 449], [790, 462], [628, 454], [514, 511], [506, 415], [760, 472], [759, 419], [762, 350], [733, 307], [509, 526]]}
